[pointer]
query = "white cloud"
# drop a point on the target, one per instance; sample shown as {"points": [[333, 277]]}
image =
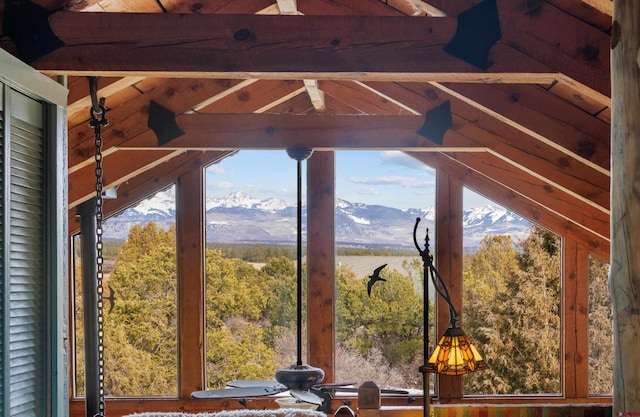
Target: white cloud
{"points": [[367, 191], [223, 185], [216, 169], [398, 181], [402, 159]]}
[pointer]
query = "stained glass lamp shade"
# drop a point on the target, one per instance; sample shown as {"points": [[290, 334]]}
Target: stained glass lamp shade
{"points": [[454, 354]]}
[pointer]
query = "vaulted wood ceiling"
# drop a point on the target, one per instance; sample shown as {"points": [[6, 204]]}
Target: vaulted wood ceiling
{"points": [[530, 119]]}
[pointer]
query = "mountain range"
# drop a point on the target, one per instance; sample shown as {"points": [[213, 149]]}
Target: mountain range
{"points": [[241, 218]]}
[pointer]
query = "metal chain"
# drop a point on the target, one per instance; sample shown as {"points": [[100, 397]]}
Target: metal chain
{"points": [[97, 123]]}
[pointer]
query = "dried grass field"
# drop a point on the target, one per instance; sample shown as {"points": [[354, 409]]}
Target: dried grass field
{"points": [[364, 265]]}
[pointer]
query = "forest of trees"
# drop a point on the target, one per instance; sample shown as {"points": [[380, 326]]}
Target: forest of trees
{"points": [[511, 312]]}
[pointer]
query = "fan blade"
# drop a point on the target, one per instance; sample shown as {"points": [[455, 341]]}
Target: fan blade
{"points": [[239, 392], [342, 388], [306, 396], [252, 383], [331, 386]]}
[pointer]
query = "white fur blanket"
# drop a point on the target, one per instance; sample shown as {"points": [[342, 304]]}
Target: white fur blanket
{"points": [[278, 412]]}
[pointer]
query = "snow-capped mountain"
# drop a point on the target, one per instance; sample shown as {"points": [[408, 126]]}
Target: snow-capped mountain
{"points": [[241, 218]]}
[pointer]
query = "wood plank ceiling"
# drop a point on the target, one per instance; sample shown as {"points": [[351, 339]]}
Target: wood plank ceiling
{"points": [[530, 119]]}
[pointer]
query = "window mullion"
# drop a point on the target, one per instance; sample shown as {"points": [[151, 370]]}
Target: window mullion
{"points": [[321, 262], [190, 232], [448, 261]]}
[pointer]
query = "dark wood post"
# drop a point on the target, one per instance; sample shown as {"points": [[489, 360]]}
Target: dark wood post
{"points": [[448, 259], [321, 261], [190, 231], [624, 279]]}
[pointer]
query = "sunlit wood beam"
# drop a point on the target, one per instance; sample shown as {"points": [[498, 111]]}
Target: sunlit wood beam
{"points": [[415, 8], [282, 131], [289, 7], [315, 94], [605, 6], [391, 48]]}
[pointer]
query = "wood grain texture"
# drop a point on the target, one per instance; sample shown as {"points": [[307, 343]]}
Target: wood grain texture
{"points": [[514, 200], [151, 181], [447, 247], [575, 319], [624, 279], [321, 261], [473, 125], [310, 47], [545, 193], [190, 241], [131, 118]]}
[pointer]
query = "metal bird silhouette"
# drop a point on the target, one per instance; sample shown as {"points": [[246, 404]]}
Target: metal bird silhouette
{"points": [[375, 278], [111, 298]]}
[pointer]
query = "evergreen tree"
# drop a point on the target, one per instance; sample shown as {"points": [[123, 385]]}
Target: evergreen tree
{"points": [[236, 301], [140, 332], [600, 329], [514, 316], [389, 321], [511, 312], [280, 273]]}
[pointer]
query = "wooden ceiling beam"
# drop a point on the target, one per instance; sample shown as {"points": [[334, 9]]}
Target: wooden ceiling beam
{"points": [[246, 96], [415, 8], [540, 30], [118, 167], [252, 96], [515, 201], [558, 165], [540, 114], [147, 183], [80, 100], [359, 97], [281, 131], [290, 7], [316, 95], [546, 161], [183, 96], [605, 6], [299, 47], [585, 12], [567, 204], [130, 119], [221, 6], [206, 131]]}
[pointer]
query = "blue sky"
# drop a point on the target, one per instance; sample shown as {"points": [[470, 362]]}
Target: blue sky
{"points": [[387, 178]]}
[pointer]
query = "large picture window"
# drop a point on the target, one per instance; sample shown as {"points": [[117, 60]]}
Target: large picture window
{"points": [[510, 297], [511, 305], [380, 324], [250, 293], [140, 301]]}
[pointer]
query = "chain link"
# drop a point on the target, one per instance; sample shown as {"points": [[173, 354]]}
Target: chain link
{"points": [[97, 122]]}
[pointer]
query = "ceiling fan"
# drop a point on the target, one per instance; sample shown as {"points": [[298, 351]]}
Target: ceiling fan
{"points": [[301, 380]]}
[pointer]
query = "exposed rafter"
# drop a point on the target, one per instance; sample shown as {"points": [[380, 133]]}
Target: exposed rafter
{"points": [[313, 47], [539, 111]]}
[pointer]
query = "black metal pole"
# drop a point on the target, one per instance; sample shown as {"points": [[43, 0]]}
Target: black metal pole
{"points": [[87, 213], [426, 395], [426, 267], [299, 267]]}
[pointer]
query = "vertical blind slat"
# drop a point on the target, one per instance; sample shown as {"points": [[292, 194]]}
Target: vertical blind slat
{"points": [[27, 284]]}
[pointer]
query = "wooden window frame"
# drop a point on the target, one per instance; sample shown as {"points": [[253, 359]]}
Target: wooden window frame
{"points": [[321, 188]]}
